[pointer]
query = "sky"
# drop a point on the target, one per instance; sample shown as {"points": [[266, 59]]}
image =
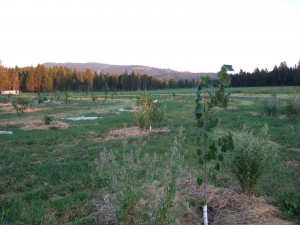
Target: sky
{"points": [[184, 35]]}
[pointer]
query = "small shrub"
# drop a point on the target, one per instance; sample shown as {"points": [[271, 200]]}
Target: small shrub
{"points": [[94, 97], [48, 119], [293, 106], [290, 202], [270, 106], [141, 188], [68, 95], [41, 99], [150, 112], [251, 159], [20, 104]]}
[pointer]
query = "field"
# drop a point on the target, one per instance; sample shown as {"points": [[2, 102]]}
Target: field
{"points": [[71, 172]]}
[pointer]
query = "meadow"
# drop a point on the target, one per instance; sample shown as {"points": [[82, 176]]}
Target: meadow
{"points": [[81, 172]]}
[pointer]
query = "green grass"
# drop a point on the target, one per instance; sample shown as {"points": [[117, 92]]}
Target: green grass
{"points": [[50, 176]]}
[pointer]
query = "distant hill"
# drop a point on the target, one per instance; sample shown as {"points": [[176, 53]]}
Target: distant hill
{"points": [[113, 69]]}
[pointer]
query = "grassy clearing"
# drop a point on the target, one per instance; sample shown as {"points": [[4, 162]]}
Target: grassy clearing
{"points": [[51, 177]]}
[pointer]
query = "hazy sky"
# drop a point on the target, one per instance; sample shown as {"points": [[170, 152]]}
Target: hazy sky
{"points": [[185, 35]]}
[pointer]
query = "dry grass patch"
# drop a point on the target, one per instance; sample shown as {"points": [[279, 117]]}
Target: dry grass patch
{"points": [[7, 108], [134, 132], [225, 206], [36, 125]]}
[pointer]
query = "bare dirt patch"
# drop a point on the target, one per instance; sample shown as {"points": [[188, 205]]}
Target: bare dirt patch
{"points": [[36, 125], [6, 108], [228, 108], [255, 113], [134, 132]]}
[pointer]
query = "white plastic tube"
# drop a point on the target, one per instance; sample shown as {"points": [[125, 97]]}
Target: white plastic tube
{"points": [[205, 218]]}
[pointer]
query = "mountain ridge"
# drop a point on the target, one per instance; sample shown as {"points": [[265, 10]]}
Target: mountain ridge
{"points": [[113, 69]]}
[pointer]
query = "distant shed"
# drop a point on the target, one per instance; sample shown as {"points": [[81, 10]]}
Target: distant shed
{"points": [[12, 92]]}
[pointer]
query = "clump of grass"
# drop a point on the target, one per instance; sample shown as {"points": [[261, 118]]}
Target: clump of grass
{"points": [[150, 111], [140, 187], [270, 106], [293, 106], [251, 159], [48, 119], [20, 105]]}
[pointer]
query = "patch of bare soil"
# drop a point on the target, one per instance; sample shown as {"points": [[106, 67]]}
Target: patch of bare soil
{"points": [[228, 108], [6, 108], [38, 125], [255, 113], [134, 132]]}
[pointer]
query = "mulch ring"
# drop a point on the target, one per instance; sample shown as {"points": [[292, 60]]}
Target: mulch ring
{"points": [[36, 125], [134, 132], [225, 206]]}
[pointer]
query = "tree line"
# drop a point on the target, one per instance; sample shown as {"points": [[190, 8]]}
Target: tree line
{"points": [[279, 76], [45, 79]]}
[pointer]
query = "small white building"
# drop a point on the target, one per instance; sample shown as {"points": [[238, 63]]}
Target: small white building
{"points": [[12, 92]]}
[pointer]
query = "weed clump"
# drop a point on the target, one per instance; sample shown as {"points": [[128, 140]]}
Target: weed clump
{"points": [[251, 159], [150, 111], [293, 106], [270, 106]]}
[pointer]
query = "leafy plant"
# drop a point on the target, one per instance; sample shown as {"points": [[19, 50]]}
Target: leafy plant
{"points": [[68, 95], [141, 187], [290, 202], [293, 106], [270, 106], [20, 105], [210, 148], [94, 97], [251, 159], [106, 90], [150, 111], [48, 119], [41, 99]]}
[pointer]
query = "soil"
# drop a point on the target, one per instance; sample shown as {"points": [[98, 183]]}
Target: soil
{"points": [[36, 125], [134, 132]]}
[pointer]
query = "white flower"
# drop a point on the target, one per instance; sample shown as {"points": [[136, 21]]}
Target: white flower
{"points": [[155, 101]]}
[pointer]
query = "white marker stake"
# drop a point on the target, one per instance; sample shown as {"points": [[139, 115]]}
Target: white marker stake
{"points": [[205, 219]]}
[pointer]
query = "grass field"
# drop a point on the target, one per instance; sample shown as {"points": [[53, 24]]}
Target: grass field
{"points": [[50, 175]]}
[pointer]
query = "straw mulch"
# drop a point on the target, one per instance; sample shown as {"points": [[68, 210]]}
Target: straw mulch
{"points": [[128, 132], [225, 206]]}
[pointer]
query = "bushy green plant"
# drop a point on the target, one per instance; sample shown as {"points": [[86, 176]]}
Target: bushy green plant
{"points": [[41, 99], [270, 106], [20, 104], [210, 148], [293, 106], [68, 95], [150, 111], [141, 187], [290, 202], [48, 119], [251, 159], [94, 97]]}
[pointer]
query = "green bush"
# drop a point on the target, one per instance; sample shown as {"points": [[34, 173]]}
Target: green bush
{"points": [[150, 112], [251, 159], [140, 187], [270, 106], [293, 106], [290, 202], [20, 104], [48, 119]]}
